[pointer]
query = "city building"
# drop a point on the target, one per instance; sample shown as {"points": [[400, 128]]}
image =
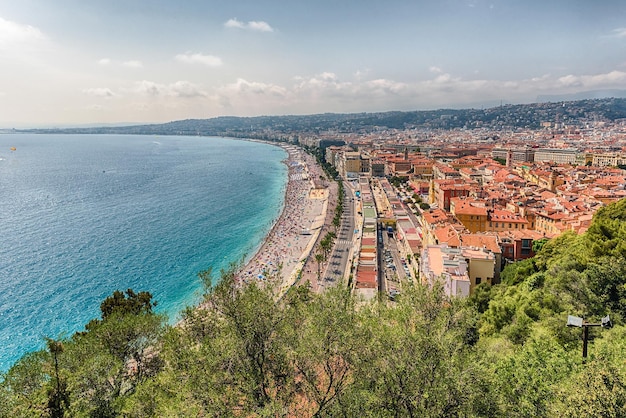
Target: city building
{"points": [[556, 155], [448, 266]]}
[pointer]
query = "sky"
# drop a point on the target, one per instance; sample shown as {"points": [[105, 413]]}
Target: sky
{"points": [[100, 62]]}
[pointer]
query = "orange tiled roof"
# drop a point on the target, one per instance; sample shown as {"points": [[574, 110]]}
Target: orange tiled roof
{"points": [[490, 242], [499, 215]]}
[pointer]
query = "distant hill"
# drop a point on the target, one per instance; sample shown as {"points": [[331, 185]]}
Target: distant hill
{"points": [[505, 117]]}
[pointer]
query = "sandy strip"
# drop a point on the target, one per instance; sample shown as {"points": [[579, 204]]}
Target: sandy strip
{"points": [[292, 237]]}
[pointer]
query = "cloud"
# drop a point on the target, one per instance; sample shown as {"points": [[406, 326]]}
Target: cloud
{"points": [[185, 89], [128, 64], [234, 23], [618, 33], [613, 79], [435, 70], [148, 88], [569, 81], [258, 26], [327, 92], [132, 64], [16, 34], [182, 89], [254, 96], [361, 74], [99, 92], [328, 86], [244, 87], [208, 60]]}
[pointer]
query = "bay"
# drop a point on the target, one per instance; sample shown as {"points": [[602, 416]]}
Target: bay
{"points": [[84, 215]]}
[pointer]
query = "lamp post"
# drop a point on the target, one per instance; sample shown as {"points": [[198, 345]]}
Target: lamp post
{"points": [[575, 321]]}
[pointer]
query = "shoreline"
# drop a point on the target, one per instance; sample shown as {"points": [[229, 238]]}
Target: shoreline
{"points": [[288, 243]]}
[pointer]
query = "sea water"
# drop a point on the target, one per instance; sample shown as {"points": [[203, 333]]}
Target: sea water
{"points": [[84, 215]]}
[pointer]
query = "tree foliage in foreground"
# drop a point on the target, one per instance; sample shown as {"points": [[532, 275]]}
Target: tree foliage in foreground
{"points": [[503, 352]]}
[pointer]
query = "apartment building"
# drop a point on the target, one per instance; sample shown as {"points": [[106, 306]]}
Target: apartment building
{"points": [[520, 155], [440, 263], [556, 155], [444, 190], [471, 213]]}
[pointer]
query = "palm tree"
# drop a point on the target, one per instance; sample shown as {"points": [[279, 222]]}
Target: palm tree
{"points": [[319, 257], [325, 246]]}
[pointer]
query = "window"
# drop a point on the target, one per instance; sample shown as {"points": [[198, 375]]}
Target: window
{"points": [[526, 246], [478, 280], [509, 225]]}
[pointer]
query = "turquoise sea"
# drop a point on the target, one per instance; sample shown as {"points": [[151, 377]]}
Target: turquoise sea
{"points": [[84, 215]]}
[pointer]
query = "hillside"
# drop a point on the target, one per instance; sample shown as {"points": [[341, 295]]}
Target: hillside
{"points": [[523, 116]]}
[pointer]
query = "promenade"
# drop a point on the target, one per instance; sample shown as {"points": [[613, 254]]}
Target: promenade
{"points": [[289, 243]]}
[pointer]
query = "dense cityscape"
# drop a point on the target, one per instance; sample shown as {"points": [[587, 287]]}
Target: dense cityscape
{"points": [[477, 187], [481, 198]]}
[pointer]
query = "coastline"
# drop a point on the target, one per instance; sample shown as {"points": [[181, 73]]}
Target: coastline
{"points": [[288, 244]]}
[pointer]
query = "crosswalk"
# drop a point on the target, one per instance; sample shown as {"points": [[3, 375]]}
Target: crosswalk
{"points": [[344, 242]]}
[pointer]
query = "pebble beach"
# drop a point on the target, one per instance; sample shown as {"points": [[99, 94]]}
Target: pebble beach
{"points": [[292, 237]]}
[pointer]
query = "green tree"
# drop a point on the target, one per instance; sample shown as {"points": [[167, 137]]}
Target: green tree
{"points": [[526, 380], [129, 303], [538, 244], [417, 363], [319, 258], [607, 280], [115, 354], [23, 387], [253, 321], [58, 396], [325, 340], [596, 388], [481, 297], [326, 244]]}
